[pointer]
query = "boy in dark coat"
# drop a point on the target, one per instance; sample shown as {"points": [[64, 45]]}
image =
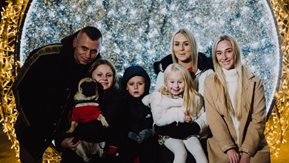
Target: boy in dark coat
{"points": [[141, 142]]}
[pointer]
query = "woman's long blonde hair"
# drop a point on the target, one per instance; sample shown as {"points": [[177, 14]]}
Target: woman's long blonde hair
{"points": [[193, 101], [220, 77], [194, 47]]}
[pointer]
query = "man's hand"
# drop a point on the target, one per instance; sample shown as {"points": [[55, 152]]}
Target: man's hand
{"points": [[68, 143]]}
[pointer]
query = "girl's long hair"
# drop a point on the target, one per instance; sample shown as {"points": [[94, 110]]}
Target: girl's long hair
{"points": [[193, 101], [220, 77]]}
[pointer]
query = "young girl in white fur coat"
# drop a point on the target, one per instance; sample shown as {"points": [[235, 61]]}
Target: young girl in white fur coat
{"points": [[174, 103]]}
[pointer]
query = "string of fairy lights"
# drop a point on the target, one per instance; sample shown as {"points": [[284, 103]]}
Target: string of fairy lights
{"points": [[138, 32]]}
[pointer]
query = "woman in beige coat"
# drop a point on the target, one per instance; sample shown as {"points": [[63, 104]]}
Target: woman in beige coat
{"points": [[235, 107]]}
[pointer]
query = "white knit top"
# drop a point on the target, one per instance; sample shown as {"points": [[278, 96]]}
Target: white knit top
{"points": [[231, 78]]}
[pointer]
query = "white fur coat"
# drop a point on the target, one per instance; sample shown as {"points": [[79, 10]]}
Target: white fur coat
{"points": [[166, 110]]}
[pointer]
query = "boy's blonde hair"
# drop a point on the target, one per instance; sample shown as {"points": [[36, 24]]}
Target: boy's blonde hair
{"points": [[193, 101]]}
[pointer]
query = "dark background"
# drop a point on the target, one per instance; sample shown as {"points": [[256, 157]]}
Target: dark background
{"points": [[3, 3]]}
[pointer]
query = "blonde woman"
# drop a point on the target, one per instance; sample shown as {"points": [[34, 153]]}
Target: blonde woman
{"points": [[178, 101], [185, 52], [235, 108]]}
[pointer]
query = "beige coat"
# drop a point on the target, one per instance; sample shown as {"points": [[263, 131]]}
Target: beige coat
{"points": [[252, 123]]}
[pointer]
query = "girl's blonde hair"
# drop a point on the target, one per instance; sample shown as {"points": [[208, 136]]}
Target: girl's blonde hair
{"points": [[194, 47], [220, 77], [193, 101]]}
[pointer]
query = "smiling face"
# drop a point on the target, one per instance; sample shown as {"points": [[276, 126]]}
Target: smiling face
{"points": [[136, 86], [225, 55], [175, 83], [85, 49], [104, 75], [182, 48]]}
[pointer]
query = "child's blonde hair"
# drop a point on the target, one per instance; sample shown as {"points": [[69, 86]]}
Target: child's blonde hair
{"points": [[193, 101]]}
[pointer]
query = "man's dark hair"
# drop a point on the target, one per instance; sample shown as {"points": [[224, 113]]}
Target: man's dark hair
{"points": [[92, 32]]}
